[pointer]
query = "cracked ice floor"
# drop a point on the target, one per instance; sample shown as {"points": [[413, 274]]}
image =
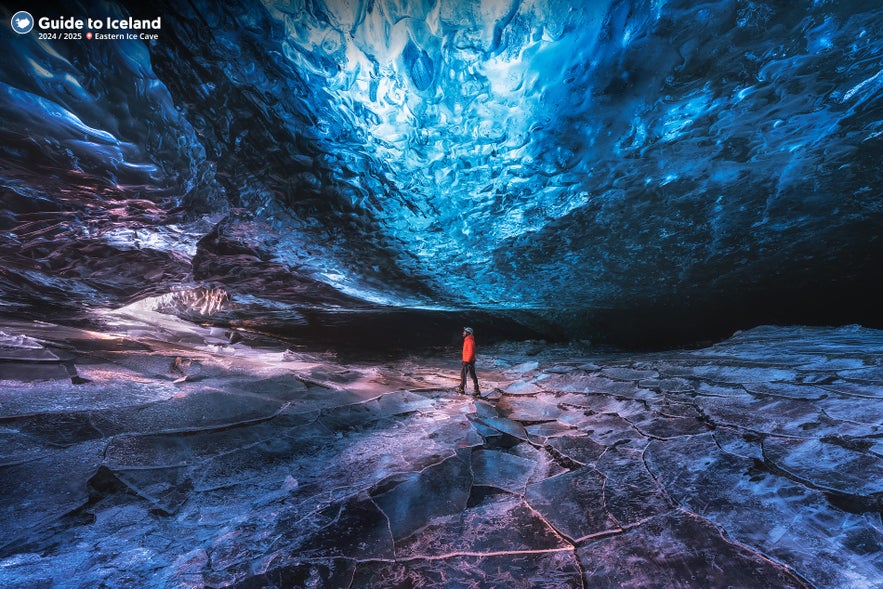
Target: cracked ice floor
{"points": [[182, 460]]}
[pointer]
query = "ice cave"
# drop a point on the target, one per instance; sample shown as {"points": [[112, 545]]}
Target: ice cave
{"points": [[240, 243]]}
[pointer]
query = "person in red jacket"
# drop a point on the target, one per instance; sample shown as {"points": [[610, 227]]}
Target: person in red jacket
{"points": [[468, 362]]}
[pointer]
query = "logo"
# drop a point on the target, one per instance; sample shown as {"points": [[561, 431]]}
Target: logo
{"points": [[22, 22]]}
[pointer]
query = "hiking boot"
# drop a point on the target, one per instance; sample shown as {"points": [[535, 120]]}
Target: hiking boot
{"points": [[460, 391], [476, 393]]}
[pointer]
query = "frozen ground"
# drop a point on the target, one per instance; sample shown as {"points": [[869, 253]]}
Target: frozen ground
{"points": [[166, 456]]}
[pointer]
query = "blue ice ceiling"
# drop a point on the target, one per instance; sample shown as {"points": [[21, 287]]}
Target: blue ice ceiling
{"points": [[558, 157]]}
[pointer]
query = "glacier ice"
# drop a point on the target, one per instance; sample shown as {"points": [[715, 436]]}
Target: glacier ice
{"points": [[638, 168], [273, 467]]}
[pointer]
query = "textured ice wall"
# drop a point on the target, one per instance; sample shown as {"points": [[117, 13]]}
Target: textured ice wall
{"points": [[618, 149], [615, 155]]}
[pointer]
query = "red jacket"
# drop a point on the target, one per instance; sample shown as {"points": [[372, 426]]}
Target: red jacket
{"points": [[469, 348]]}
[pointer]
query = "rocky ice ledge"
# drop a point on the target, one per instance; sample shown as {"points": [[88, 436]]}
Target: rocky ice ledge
{"points": [[182, 459]]}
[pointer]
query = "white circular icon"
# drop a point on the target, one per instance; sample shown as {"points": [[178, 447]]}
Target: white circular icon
{"points": [[22, 22]]}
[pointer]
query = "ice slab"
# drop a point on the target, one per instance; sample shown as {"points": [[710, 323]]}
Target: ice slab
{"points": [[831, 463], [21, 348], [679, 549], [504, 525], [623, 470], [495, 468], [581, 450], [40, 490], [411, 501], [758, 507], [573, 503]]}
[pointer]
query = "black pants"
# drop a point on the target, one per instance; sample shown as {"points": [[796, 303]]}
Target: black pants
{"points": [[468, 368]]}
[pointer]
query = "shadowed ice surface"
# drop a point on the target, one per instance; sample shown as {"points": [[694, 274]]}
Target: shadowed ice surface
{"points": [[180, 460]]}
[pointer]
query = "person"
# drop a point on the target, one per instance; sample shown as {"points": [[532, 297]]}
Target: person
{"points": [[468, 362]]}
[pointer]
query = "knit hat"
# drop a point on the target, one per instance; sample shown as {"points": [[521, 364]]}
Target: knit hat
{"points": [[467, 329]]}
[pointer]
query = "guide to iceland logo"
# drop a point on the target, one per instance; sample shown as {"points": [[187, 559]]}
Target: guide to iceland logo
{"points": [[22, 22]]}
